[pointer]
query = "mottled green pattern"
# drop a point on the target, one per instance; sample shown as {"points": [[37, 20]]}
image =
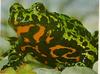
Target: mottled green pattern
{"points": [[67, 31]]}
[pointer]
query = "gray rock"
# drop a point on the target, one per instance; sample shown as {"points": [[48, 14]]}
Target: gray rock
{"points": [[78, 70]]}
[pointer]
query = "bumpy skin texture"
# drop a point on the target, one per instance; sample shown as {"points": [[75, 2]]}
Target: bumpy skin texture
{"points": [[52, 38]]}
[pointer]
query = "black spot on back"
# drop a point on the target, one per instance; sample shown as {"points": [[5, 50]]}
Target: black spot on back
{"points": [[80, 30], [73, 43], [19, 8], [69, 33], [43, 20], [79, 49], [91, 53], [84, 43], [60, 52], [27, 18], [52, 24], [70, 25], [95, 34], [51, 20], [81, 39], [35, 19], [27, 11], [87, 48]]}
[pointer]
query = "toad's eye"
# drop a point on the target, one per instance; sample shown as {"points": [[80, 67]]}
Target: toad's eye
{"points": [[38, 7]]}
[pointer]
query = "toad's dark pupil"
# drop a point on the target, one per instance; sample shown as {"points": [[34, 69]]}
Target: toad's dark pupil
{"points": [[40, 7]]}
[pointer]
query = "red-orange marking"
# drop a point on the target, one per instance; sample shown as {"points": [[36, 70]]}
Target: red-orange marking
{"points": [[45, 62], [37, 49], [39, 34], [26, 40], [55, 48], [48, 39], [23, 48], [23, 29], [73, 51]]}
